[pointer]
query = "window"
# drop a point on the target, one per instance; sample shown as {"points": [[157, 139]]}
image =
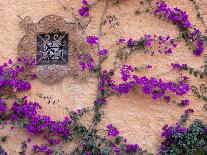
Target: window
{"points": [[52, 48]]}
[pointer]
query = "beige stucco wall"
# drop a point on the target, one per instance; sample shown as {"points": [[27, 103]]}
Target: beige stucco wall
{"points": [[137, 116]]}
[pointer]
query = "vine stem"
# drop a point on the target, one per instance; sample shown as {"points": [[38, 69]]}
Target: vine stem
{"points": [[99, 69], [101, 32], [99, 60]]}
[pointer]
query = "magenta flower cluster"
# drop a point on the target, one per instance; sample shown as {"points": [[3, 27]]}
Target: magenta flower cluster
{"points": [[174, 15], [37, 124], [199, 45], [3, 107], [132, 148], [190, 110], [92, 40], [86, 61], [121, 40], [128, 148], [184, 102], [9, 76], [112, 131], [126, 71], [84, 10], [157, 88], [169, 133], [165, 44], [180, 18], [53, 141], [43, 149], [178, 66], [103, 52]]}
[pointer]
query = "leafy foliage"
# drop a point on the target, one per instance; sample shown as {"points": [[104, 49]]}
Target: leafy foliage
{"points": [[200, 92], [193, 140]]}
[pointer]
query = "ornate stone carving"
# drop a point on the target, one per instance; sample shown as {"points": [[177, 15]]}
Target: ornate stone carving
{"points": [[27, 46]]}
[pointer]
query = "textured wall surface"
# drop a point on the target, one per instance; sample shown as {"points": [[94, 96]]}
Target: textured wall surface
{"points": [[137, 116]]}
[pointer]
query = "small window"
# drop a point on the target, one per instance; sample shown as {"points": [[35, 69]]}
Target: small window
{"points": [[52, 48]]}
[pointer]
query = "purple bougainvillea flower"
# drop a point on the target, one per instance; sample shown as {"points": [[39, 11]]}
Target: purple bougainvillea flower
{"points": [[190, 110], [132, 148], [84, 2], [3, 107], [86, 61], [103, 52], [167, 99], [84, 11], [130, 42], [149, 66], [29, 140], [92, 40], [112, 131], [178, 66], [185, 102], [10, 61], [173, 15], [122, 40], [116, 149]]}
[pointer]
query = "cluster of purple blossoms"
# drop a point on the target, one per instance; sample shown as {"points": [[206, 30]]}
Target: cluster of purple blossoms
{"points": [[103, 52], [190, 110], [101, 101], [30, 62], [84, 2], [156, 87], [167, 99], [53, 141], [180, 18], [184, 102], [165, 44], [128, 148], [10, 77], [116, 149], [126, 71], [169, 133], [37, 124], [196, 36], [179, 66], [112, 131], [199, 49], [121, 40], [132, 148], [86, 61], [174, 15], [152, 86], [42, 149], [106, 81], [84, 11], [131, 42], [92, 40], [3, 107]]}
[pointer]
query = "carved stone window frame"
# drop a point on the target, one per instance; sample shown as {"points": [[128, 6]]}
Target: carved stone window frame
{"points": [[27, 46]]}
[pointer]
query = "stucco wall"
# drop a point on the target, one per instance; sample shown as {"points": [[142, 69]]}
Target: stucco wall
{"points": [[137, 116]]}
